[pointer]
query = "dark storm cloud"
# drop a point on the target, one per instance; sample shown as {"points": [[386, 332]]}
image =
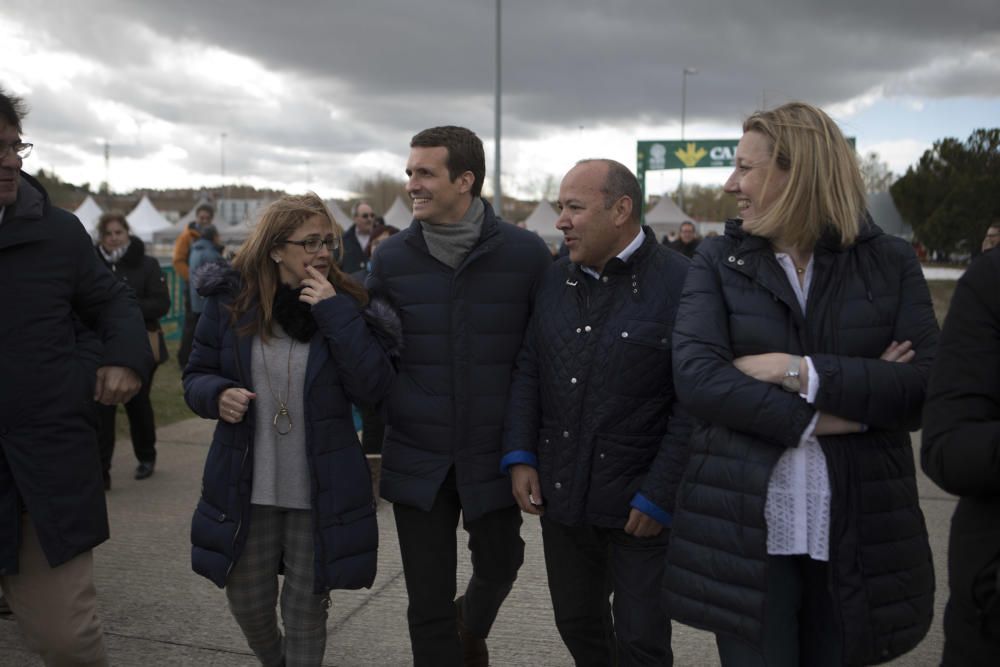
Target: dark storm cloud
{"points": [[368, 75]]}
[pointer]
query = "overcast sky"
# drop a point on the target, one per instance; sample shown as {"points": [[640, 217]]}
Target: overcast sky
{"points": [[312, 95]]}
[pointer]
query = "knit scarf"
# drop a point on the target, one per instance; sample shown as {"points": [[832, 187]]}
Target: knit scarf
{"points": [[115, 255], [450, 243]]}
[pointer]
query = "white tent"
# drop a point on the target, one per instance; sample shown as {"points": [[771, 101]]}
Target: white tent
{"points": [[666, 216], [145, 219], [542, 221], [398, 215], [338, 214], [88, 212]]}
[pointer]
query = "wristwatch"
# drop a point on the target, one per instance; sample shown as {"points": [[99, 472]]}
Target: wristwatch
{"points": [[791, 381]]}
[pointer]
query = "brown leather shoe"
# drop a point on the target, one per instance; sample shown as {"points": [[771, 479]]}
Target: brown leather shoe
{"points": [[474, 651]]}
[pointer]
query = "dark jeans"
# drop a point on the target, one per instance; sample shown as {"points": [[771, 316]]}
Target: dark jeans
{"points": [[799, 627], [141, 426], [190, 323], [428, 544], [585, 565]]}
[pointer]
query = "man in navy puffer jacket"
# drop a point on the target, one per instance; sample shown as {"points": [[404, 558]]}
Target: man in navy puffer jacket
{"points": [[462, 282]]}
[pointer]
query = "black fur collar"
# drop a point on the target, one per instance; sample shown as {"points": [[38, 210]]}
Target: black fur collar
{"points": [[294, 316]]}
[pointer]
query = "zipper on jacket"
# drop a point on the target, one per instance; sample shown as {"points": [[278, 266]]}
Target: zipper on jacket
{"points": [[239, 525]]}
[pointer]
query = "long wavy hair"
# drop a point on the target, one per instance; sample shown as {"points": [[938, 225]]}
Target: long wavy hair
{"points": [[824, 188], [278, 221]]}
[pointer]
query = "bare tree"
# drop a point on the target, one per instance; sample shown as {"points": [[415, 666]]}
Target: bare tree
{"points": [[379, 190], [875, 173]]}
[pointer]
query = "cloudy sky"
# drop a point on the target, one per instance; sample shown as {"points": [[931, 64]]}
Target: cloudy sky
{"points": [[314, 94]]}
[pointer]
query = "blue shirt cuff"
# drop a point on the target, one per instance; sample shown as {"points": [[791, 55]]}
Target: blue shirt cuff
{"points": [[647, 507], [516, 457]]}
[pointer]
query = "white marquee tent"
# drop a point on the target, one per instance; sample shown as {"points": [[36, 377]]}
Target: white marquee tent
{"points": [[542, 221], [338, 214], [88, 212], [145, 219], [398, 215]]}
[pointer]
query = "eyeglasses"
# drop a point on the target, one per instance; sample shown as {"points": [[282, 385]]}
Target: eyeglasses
{"points": [[312, 244], [21, 149]]}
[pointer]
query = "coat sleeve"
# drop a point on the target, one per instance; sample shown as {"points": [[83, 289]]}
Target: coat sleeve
{"points": [[203, 376], [182, 248], [108, 307], [960, 449], [154, 301], [707, 382], [879, 393], [523, 417], [362, 363]]}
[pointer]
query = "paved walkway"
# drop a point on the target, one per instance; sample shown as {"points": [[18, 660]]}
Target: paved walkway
{"points": [[156, 612]]}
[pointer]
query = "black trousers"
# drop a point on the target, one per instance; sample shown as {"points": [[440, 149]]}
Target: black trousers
{"points": [[585, 566], [428, 544], [800, 626], [141, 426]]}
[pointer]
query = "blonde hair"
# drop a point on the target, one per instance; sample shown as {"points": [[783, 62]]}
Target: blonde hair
{"points": [[259, 272], [824, 185]]}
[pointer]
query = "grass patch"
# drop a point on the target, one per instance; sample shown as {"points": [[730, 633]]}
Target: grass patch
{"points": [[167, 395]]}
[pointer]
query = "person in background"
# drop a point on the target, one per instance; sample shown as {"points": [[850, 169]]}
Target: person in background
{"points": [[960, 451], [205, 250], [182, 252], [687, 240], [125, 255], [71, 334], [803, 343], [356, 239], [992, 238], [286, 342]]}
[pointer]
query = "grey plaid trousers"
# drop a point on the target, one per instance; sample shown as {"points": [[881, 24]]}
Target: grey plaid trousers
{"points": [[277, 535]]}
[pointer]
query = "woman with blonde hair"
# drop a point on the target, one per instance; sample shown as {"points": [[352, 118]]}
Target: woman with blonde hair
{"points": [[803, 343], [285, 344]]}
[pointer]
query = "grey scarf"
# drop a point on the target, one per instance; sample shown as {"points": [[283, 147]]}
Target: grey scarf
{"points": [[450, 243]]}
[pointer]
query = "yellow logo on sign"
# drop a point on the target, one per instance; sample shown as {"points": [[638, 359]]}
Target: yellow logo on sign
{"points": [[691, 155]]}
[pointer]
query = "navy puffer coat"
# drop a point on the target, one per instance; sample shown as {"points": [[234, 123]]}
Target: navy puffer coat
{"points": [[737, 301], [462, 329], [347, 363]]}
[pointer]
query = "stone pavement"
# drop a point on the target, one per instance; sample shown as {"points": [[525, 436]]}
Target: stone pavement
{"points": [[156, 612]]}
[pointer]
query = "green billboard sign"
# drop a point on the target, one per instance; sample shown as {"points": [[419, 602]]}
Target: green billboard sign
{"points": [[692, 154]]}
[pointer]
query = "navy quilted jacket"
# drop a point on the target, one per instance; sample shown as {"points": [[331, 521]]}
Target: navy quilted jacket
{"points": [[593, 404], [346, 364], [737, 301], [462, 329]]}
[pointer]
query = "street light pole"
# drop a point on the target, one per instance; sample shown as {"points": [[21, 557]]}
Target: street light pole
{"points": [[684, 80], [222, 155], [497, 194]]}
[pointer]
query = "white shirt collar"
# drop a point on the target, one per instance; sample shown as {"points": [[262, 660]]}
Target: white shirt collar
{"points": [[623, 255]]}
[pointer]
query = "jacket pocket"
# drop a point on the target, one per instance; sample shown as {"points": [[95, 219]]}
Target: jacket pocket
{"points": [[640, 357], [213, 529]]}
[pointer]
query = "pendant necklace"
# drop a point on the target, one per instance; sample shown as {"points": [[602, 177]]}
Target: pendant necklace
{"points": [[282, 418]]}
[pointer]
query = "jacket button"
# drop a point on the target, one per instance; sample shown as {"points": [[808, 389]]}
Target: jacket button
{"points": [[604, 279], [572, 380], [740, 262], [624, 334], [565, 434], [601, 455], [587, 328], [732, 258], [579, 330], [558, 485], [663, 340]]}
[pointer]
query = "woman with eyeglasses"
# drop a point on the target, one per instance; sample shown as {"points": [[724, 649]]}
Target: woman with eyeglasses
{"points": [[125, 255], [285, 344], [803, 343]]}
